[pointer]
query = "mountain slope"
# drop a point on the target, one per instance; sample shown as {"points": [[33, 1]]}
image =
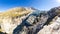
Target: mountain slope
{"points": [[23, 20]]}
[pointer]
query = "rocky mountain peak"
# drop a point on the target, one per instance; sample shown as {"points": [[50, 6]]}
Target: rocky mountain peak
{"points": [[28, 20]]}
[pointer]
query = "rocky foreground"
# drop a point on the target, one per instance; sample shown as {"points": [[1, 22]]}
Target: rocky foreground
{"points": [[22, 20]]}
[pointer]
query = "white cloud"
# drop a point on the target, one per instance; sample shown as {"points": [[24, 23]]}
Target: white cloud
{"points": [[58, 1]]}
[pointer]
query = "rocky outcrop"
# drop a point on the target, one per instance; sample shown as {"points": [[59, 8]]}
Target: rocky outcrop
{"points": [[10, 19], [53, 22], [53, 28], [30, 21]]}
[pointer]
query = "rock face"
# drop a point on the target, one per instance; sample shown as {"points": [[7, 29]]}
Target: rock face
{"points": [[53, 28], [30, 21], [10, 19]]}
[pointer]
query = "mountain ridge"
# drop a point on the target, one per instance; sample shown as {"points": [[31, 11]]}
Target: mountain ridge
{"points": [[24, 20]]}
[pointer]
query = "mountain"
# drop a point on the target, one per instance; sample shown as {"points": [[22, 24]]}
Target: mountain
{"points": [[53, 26], [28, 20], [13, 17]]}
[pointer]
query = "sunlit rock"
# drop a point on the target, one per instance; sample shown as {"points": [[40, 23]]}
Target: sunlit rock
{"points": [[10, 19], [53, 28]]}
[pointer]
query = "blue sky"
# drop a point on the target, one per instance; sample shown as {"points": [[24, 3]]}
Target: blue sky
{"points": [[38, 4]]}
